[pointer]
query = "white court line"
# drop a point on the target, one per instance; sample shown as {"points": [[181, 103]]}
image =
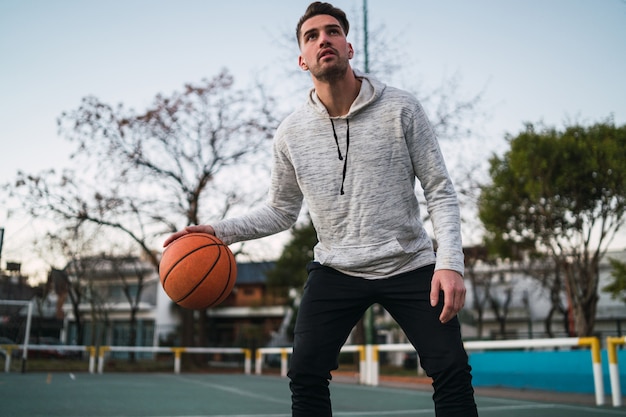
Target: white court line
{"points": [[335, 413], [591, 410], [594, 411], [513, 404], [235, 391]]}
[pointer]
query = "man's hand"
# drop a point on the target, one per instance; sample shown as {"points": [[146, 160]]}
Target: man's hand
{"points": [[189, 229], [453, 287]]}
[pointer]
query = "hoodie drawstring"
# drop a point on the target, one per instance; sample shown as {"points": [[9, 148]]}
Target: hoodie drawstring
{"points": [[341, 158]]}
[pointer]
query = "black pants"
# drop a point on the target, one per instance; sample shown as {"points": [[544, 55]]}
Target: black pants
{"points": [[332, 303]]}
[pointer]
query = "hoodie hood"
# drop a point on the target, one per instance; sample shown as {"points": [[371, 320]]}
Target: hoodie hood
{"points": [[371, 90]]}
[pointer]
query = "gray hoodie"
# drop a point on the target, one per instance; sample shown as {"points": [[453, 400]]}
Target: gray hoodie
{"points": [[357, 174]]}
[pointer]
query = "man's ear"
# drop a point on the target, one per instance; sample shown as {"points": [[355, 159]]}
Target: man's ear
{"points": [[350, 51], [302, 64]]}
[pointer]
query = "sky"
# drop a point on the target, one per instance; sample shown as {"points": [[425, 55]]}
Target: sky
{"points": [[550, 61]]}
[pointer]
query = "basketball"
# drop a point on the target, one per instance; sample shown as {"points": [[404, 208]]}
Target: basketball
{"points": [[197, 271]]}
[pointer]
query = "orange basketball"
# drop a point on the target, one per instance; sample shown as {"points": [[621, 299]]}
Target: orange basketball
{"points": [[197, 271]]}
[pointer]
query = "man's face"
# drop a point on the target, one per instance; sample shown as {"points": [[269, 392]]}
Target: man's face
{"points": [[324, 50]]}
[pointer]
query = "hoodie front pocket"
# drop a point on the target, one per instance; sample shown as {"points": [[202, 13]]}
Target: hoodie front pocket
{"points": [[379, 258]]}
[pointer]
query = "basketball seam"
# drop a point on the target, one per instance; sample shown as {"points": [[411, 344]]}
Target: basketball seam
{"points": [[191, 291], [213, 240], [230, 270], [169, 271]]}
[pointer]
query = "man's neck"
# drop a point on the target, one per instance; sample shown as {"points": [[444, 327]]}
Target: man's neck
{"points": [[338, 95]]}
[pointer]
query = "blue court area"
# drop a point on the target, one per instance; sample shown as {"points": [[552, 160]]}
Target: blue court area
{"points": [[232, 395]]}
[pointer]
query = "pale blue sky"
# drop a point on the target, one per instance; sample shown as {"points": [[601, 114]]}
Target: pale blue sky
{"points": [[540, 60]]}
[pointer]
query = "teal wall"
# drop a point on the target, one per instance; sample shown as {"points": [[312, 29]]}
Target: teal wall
{"points": [[564, 371]]}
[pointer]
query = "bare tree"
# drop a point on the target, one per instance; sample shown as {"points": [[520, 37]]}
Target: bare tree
{"points": [[71, 281], [480, 283], [132, 274], [552, 280], [188, 158], [499, 299]]}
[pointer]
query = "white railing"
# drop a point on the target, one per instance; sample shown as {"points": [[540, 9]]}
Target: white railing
{"points": [[616, 389], [369, 358], [97, 355], [284, 353], [177, 351], [54, 349]]}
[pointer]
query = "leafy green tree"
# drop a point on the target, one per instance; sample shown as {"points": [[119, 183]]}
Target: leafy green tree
{"points": [[617, 287], [289, 274], [562, 193], [290, 269]]}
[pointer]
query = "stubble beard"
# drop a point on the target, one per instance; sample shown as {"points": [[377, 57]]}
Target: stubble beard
{"points": [[331, 73]]}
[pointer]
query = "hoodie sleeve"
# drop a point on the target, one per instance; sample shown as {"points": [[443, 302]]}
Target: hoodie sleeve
{"points": [[441, 199], [279, 212]]}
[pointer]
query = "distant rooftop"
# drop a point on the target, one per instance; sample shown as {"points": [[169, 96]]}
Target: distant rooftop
{"points": [[253, 272]]}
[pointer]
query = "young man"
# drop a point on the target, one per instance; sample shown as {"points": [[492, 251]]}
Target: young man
{"points": [[353, 151]]}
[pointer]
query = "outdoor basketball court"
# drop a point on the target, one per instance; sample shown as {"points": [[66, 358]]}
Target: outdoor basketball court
{"points": [[231, 395]]}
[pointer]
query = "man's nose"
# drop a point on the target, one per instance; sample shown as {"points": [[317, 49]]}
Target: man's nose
{"points": [[324, 39]]}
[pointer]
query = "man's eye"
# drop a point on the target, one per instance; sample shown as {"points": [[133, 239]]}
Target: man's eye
{"points": [[310, 37]]}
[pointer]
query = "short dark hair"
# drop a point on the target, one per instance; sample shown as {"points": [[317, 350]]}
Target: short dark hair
{"points": [[318, 8]]}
